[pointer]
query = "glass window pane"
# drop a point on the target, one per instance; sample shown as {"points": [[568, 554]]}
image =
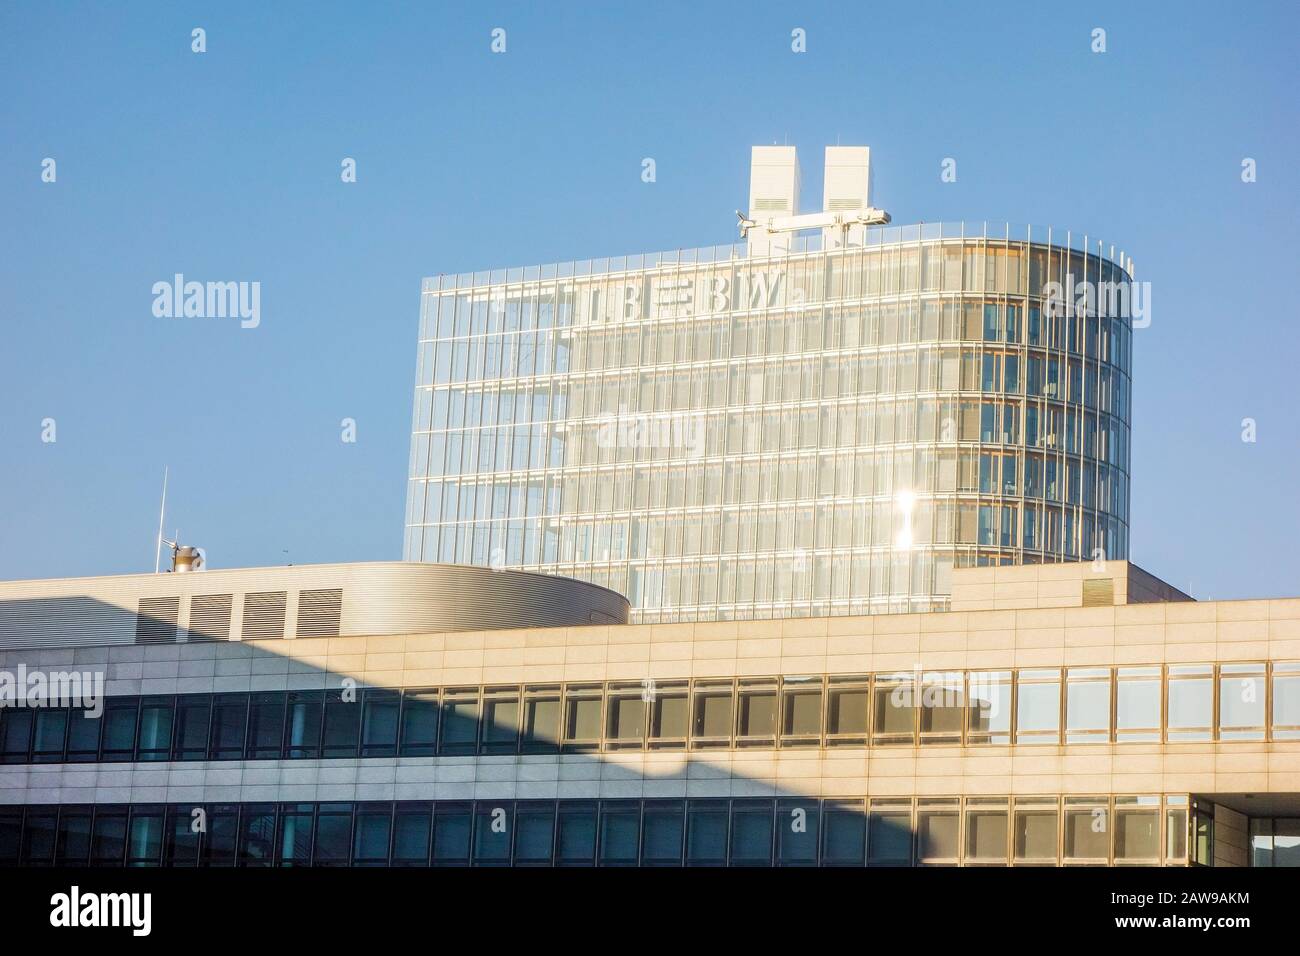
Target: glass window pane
{"points": [[751, 833], [712, 721], [266, 724], [845, 826], [662, 832], [51, 735], [342, 732], [1036, 825], [303, 719], [937, 826], [797, 832], [541, 719], [412, 831], [1087, 705], [620, 831], [1286, 701], [534, 833], [155, 741], [257, 835], [627, 718], [451, 834], [145, 840], [801, 711], [576, 837], [986, 831], [16, 730], [501, 721], [990, 707], [334, 831], [582, 716], [1038, 707], [120, 714], [230, 714], [73, 847], [460, 721], [706, 833], [193, 721], [1241, 701], [943, 702], [1087, 829], [379, 722], [756, 708], [1191, 702], [1137, 704], [1137, 830], [372, 832], [668, 715], [492, 833], [108, 844], [847, 710], [889, 833], [295, 840], [894, 713], [419, 723]]}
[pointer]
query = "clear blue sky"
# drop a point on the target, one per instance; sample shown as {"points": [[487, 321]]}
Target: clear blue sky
{"points": [[225, 165]]}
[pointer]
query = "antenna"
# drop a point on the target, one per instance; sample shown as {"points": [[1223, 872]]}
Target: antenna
{"points": [[162, 511]]}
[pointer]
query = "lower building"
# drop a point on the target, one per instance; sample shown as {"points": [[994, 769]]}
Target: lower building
{"points": [[1058, 714]]}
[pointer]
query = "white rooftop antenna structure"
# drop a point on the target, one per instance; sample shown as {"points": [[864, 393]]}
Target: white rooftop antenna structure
{"points": [[162, 511]]}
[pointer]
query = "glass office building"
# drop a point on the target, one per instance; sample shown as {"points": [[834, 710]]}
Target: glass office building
{"points": [[817, 428]]}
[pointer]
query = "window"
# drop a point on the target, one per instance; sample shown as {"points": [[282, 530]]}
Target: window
{"points": [[229, 722], [534, 833], [1286, 701], [119, 718], [500, 721], [711, 724], [50, 738], [756, 713], [1036, 826], [257, 835], [16, 731], [1038, 707], [541, 726], [844, 833], [266, 725], [943, 700], [1087, 830], [1191, 701], [460, 719], [1087, 705], [181, 846], [108, 841], [83, 735], [451, 834], [412, 833], [938, 823], [986, 830], [73, 846], [894, 711], [371, 833], [1137, 704], [155, 736], [333, 833], [706, 833], [661, 833], [193, 721], [668, 716], [582, 717], [989, 694], [145, 838], [493, 833], [342, 729], [751, 833], [889, 833], [620, 831], [801, 712], [576, 834], [303, 723], [1137, 830], [626, 716], [797, 832], [1175, 829], [221, 839], [847, 710], [380, 713], [1241, 701], [419, 723]]}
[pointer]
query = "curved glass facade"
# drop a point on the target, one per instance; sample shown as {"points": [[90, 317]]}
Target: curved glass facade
{"points": [[823, 431]]}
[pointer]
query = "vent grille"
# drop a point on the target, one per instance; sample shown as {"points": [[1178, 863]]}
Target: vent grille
{"points": [[155, 621], [210, 617], [771, 205], [264, 615], [1099, 593], [319, 612], [840, 205]]}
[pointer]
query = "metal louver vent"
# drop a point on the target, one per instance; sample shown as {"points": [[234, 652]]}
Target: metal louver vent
{"points": [[319, 612], [264, 615], [771, 205], [155, 620], [840, 205], [1099, 593], [210, 617]]}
